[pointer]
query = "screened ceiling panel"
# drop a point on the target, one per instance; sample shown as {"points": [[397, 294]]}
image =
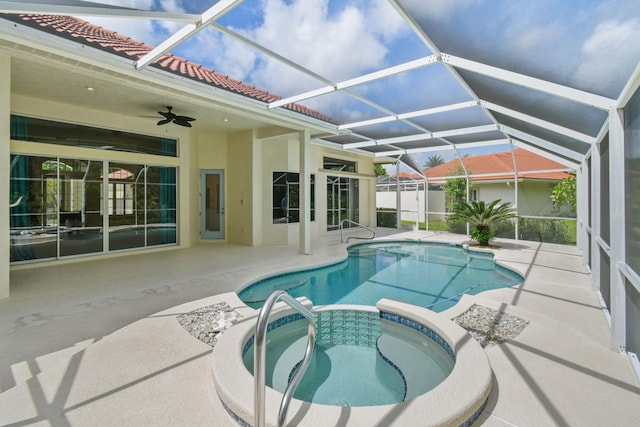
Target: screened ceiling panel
{"points": [[387, 130], [381, 148], [412, 145], [566, 42], [344, 107], [460, 118], [537, 104], [415, 89], [545, 134], [230, 57], [344, 139], [476, 137], [333, 30], [359, 64]]}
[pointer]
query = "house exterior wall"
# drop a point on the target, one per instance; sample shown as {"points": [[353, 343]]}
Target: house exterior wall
{"points": [[282, 155], [247, 162], [239, 189], [409, 205], [533, 199]]}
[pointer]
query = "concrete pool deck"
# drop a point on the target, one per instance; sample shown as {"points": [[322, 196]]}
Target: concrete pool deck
{"points": [[97, 343]]}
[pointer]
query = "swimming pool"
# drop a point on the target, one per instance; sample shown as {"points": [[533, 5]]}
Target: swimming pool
{"points": [[432, 275]]}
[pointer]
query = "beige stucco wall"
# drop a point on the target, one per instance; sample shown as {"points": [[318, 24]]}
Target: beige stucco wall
{"points": [[282, 155], [239, 188], [533, 196], [210, 153]]}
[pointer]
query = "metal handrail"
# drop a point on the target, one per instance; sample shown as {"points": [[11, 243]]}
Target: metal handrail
{"points": [[259, 356], [359, 226]]}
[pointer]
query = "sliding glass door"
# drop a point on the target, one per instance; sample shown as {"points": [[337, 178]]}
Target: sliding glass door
{"points": [[342, 201], [64, 207]]}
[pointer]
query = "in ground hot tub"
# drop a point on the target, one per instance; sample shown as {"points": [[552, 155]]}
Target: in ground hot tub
{"points": [[360, 359], [400, 364]]}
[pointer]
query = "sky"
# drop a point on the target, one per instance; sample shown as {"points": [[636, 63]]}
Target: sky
{"points": [[589, 44]]}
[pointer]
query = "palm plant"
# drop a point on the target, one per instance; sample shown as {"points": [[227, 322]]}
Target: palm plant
{"points": [[433, 160], [481, 216]]}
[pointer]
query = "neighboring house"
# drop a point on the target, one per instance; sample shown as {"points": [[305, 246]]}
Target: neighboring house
{"points": [[493, 177]]}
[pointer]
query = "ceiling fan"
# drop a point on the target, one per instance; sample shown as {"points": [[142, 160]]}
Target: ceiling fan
{"points": [[169, 117]]}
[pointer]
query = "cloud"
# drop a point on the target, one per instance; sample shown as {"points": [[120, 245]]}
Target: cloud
{"points": [[336, 40], [528, 39], [149, 32], [609, 56], [223, 54], [337, 44]]}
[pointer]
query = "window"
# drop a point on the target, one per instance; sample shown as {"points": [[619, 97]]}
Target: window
{"points": [[52, 132], [286, 197], [339, 165]]}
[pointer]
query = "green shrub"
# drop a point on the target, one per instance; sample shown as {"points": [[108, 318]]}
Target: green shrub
{"points": [[504, 229], [456, 227], [544, 230], [387, 218]]}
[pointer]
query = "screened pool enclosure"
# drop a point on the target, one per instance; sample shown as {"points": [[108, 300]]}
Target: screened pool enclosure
{"points": [[276, 87]]}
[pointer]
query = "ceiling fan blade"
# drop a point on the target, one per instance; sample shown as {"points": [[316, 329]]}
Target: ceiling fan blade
{"points": [[164, 122], [184, 118], [182, 123], [167, 115]]}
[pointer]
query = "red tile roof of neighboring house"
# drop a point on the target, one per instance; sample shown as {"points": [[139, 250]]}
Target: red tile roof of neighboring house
{"points": [[109, 41], [500, 164]]}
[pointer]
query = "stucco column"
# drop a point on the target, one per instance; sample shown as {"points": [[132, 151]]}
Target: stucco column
{"points": [[305, 192], [5, 160]]}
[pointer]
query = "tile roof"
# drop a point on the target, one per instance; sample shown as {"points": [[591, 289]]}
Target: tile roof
{"points": [[100, 38], [500, 163]]}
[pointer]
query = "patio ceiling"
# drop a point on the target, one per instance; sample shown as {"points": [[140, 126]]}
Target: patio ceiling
{"points": [[462, 74]]}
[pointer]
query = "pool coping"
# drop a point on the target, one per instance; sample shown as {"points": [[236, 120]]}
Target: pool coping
{"points": [[458, 400]]}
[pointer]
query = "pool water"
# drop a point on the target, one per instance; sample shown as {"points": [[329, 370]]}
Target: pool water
{"points": [[426, 274], [359, 360]]}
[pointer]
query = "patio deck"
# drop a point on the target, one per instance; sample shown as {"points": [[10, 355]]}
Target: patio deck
{"points": [[96, 342]]}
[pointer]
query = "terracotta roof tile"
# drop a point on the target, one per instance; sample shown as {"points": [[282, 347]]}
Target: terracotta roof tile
{"points": [[499, 163], [109, 41]]}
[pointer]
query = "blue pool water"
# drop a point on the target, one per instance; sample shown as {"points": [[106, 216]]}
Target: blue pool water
{"points": [[359, 360], [426, 274]]}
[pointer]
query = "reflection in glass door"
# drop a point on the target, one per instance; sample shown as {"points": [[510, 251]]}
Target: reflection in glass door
{"points": [[342, 201], [212, 204]]}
